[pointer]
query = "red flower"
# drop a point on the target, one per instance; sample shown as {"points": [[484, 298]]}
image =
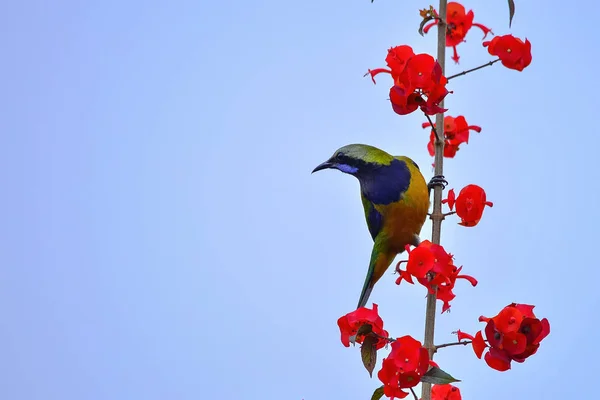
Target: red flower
{"points": [[449, 149], [403, 367], [421, 72], [423, 259], [513, 53], [459, 130], [398, 57], [477, 342], [458, 23], [445, 392], [351, 322], [512, 335], [403, 104], [456, 131], [497, 359], [418, 81], [432, 266], [469, 204], [435, 96], [444, 290]]}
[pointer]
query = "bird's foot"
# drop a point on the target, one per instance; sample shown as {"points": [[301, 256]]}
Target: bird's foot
{"points": [[437, 180]]}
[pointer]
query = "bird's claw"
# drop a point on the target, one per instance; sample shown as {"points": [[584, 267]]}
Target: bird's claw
{"points": [[437, 180]]}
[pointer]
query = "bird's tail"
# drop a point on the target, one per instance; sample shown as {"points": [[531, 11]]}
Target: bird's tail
{"points": [[380, 261], [366, 292]]}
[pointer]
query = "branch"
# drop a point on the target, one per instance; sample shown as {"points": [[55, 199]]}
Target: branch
{"points": [[432, 126], [389, 339], [473, 69], [414, 394], [437, 216], [441, 346]]}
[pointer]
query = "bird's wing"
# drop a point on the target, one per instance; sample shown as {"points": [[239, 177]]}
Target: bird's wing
{"points": [[373, 217], [407, 160], [381, 259]]}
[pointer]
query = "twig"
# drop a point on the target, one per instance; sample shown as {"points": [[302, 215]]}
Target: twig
{"points": [[473, 69], [389, 339], [430, 310], [433, 216], [432, 126], [463, 343], [414, 394], [449, 213]]}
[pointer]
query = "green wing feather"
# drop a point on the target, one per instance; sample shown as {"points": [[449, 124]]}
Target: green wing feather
{"points": [[380, 259]]}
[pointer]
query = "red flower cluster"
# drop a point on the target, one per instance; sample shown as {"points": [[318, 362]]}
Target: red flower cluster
{"points": [[403, 367], [432, 266], [351, 322], [512, 335], [458, 23], [469, 204], [456, 131], [445, 392], [415, 76], [513, 53]]}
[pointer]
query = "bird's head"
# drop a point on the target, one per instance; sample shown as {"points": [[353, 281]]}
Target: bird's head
{"points": [[356, 159]]}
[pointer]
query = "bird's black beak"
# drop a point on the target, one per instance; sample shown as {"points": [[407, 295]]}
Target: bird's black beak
{"points": [[325, 165]]}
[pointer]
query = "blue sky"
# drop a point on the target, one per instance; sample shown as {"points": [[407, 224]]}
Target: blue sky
{"points": [[162, 236]]}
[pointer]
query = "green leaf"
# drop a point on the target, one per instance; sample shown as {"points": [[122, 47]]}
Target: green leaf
{"points": [[511, 11], [438, 377], [422, 26], [364, 329], [378, 393], [368, 353]]}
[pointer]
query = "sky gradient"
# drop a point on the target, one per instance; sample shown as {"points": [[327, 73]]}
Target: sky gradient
{"points": [[162, 236]]}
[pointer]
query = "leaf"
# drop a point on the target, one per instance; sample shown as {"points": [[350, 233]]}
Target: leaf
{"points": [[425, 20], [378, 393], [364, 329], [511, 11], [368, 353], [438, 377]]}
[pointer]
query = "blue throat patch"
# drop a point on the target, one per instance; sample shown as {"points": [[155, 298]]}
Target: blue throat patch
{"points": [[347, 168], [385, 184]]}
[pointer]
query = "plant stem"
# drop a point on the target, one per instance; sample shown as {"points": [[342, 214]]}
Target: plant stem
{"points": [[414, 394], [437, 135], [473, 69], [463, 343], [389, 339], [436, 215]]}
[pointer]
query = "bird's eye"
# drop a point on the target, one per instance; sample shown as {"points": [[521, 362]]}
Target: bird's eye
{"points": [[339, 155]]}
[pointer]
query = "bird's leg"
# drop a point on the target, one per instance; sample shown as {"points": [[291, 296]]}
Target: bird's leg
{"points": [[437, 180]]}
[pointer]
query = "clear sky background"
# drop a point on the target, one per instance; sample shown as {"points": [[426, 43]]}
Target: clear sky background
{"points": [[162, 236]]}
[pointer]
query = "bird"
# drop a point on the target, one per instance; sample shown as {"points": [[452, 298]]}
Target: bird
{"points": [[395, 198]]}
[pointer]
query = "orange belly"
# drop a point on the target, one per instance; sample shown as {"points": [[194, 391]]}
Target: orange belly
{"points": [[404, 219]]}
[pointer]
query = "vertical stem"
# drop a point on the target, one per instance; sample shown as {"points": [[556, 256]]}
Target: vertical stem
{"points": [[436, 215]]}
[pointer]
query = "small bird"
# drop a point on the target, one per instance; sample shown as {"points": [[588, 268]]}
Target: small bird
{"points": [[395, 199]]}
